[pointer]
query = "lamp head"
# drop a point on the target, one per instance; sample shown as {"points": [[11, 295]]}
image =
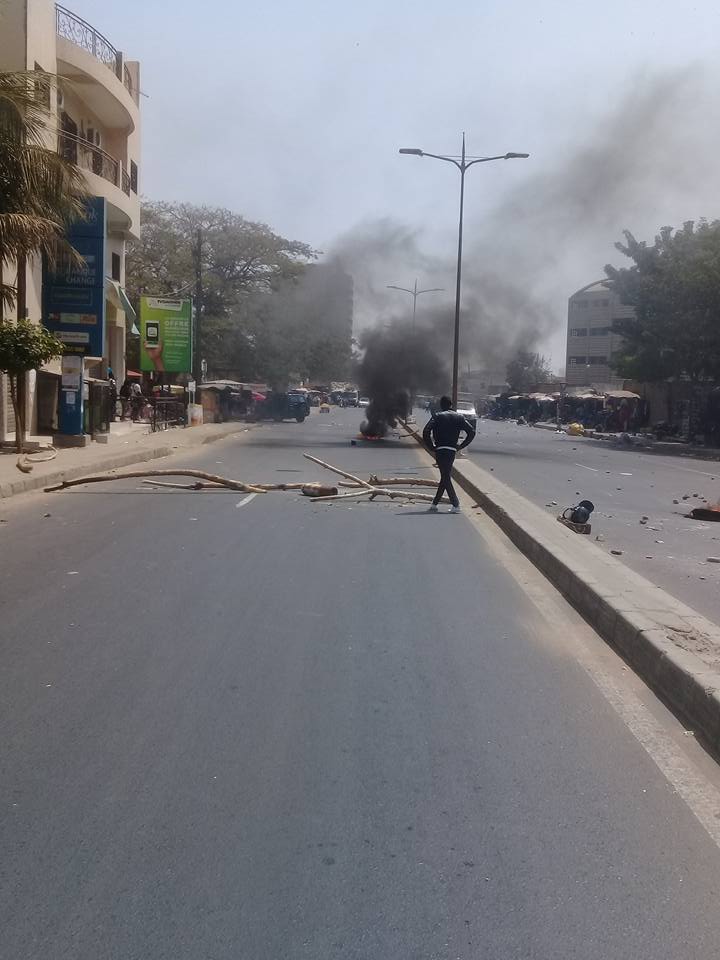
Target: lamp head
{"points": [[411, 151]]}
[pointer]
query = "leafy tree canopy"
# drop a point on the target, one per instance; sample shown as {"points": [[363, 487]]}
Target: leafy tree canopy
{"points": [[26, 346], [262, 317], [674, 289], [526, 369]]}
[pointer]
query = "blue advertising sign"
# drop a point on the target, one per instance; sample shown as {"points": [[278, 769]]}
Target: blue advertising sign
{"points": [[74, 297]]}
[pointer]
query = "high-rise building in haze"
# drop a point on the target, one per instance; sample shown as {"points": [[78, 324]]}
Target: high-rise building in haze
{"points": [[590, 340]]}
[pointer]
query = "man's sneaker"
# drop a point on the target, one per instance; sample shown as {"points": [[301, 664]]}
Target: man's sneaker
{"points": [[454, 510], [433, 508]]}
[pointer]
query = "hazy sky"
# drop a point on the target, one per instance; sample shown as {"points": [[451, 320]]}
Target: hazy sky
{"points": [[292, 113]]}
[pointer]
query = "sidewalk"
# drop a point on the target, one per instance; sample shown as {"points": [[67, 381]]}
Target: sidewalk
{"points": [[123, 449], [645, 444]]}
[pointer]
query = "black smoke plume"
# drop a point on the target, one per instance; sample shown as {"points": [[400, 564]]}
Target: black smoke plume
{"points": [[650, 160], [398, 362]]}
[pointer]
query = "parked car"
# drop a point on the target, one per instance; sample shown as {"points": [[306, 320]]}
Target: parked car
{"points": [[363, 401], [467, 409]]}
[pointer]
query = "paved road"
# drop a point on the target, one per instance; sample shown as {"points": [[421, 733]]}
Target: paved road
{"points": [[278, 729], [624, 485]]}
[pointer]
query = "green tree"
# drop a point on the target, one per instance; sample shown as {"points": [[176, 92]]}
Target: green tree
{"points": [[674, 289], [527, 369], [24, 346], [40, 192], [227, 259]]}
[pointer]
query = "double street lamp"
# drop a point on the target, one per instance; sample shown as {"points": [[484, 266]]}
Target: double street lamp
{"points": [[463, 163], [414, 293]]}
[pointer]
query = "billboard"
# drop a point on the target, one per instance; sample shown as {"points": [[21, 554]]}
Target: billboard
{"points": [[165, 335], [74, 295]]}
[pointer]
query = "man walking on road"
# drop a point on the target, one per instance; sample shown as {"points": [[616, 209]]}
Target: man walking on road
{"points": [[440, 436]]}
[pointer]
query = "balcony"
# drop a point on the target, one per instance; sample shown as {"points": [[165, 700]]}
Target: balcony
{"points": [[89, 157], [97, 72], [99, 166], [78, 31]]}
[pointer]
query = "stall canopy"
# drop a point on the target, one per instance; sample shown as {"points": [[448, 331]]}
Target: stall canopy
{"points": [[622, 395]]}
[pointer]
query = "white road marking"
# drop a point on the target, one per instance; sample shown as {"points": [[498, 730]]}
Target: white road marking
{"points": [[586, 468], [247, 499], [700, 473]]}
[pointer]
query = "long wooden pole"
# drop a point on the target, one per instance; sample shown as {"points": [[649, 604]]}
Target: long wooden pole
{"points": [[134, 474], [342, 473]]}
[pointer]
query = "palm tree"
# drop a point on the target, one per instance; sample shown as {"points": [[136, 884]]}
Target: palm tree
{"points": [[40, 191]]}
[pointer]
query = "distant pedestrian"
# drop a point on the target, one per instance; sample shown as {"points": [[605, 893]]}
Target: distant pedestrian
{"points": [[440, 436], [125, 397]]}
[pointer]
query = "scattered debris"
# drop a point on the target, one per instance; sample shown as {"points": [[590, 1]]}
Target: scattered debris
{"points": [[713, 559], [705, 513], [616, 553], [25, 464]]}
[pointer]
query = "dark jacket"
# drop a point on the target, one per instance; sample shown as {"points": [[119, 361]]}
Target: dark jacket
{"points": [[444, 430]]}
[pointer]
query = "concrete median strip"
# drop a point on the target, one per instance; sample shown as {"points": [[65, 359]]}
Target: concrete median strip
{"points": [[674, 649]]}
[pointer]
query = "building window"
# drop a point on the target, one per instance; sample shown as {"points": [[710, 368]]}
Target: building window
{"points": [[578, 332], [581, 304], [133, 176], [575, 360], [68, 139], [599, 331], [597, 361], [604, 303], [115, 269]]}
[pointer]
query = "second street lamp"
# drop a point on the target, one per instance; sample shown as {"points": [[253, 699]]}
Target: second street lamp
{"points": [[463, 163], [414, 293]]}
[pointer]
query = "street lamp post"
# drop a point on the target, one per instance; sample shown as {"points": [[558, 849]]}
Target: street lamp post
{"points": [[414, 293], [463, 164]]}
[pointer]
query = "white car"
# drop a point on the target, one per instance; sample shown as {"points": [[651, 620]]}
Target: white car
{"points": [[467, 409], [363, 401]]}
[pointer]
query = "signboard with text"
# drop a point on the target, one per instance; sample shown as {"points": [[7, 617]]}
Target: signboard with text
{"points": [[165, 335], [74, 294]]}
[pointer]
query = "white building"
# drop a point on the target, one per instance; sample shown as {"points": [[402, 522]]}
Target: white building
{"points": [[590, 340], [97, 126]]}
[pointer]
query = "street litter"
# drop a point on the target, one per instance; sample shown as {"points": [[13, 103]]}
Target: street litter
{"points": [[25, 464], [577, 518]]}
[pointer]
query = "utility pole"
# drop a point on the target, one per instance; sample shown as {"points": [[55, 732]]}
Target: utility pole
{"points": [[197, 354]]}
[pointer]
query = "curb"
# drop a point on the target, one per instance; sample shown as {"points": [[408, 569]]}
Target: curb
{"points": [[673, 648], [26, 484]]}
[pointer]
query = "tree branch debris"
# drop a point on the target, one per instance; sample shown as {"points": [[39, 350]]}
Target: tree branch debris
{"points": [[372, 488]]}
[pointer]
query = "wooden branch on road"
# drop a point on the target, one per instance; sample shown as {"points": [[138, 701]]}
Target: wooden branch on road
{"points": [[136, 474]]}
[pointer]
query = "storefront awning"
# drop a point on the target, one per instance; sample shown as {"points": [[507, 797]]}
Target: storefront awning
{"points": [[117, 295]]}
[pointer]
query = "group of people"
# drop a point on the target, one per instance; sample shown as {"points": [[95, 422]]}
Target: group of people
{"points": [[131, 397]]}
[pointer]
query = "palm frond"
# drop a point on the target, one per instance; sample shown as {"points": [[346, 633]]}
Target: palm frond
{"points": [[24, 102]]}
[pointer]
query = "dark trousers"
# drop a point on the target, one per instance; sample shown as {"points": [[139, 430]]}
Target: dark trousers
{"points": [[445, 460]]}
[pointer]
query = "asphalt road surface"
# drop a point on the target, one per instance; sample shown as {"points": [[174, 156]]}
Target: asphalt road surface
{"points": [[268, 728], [625, 486]]}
